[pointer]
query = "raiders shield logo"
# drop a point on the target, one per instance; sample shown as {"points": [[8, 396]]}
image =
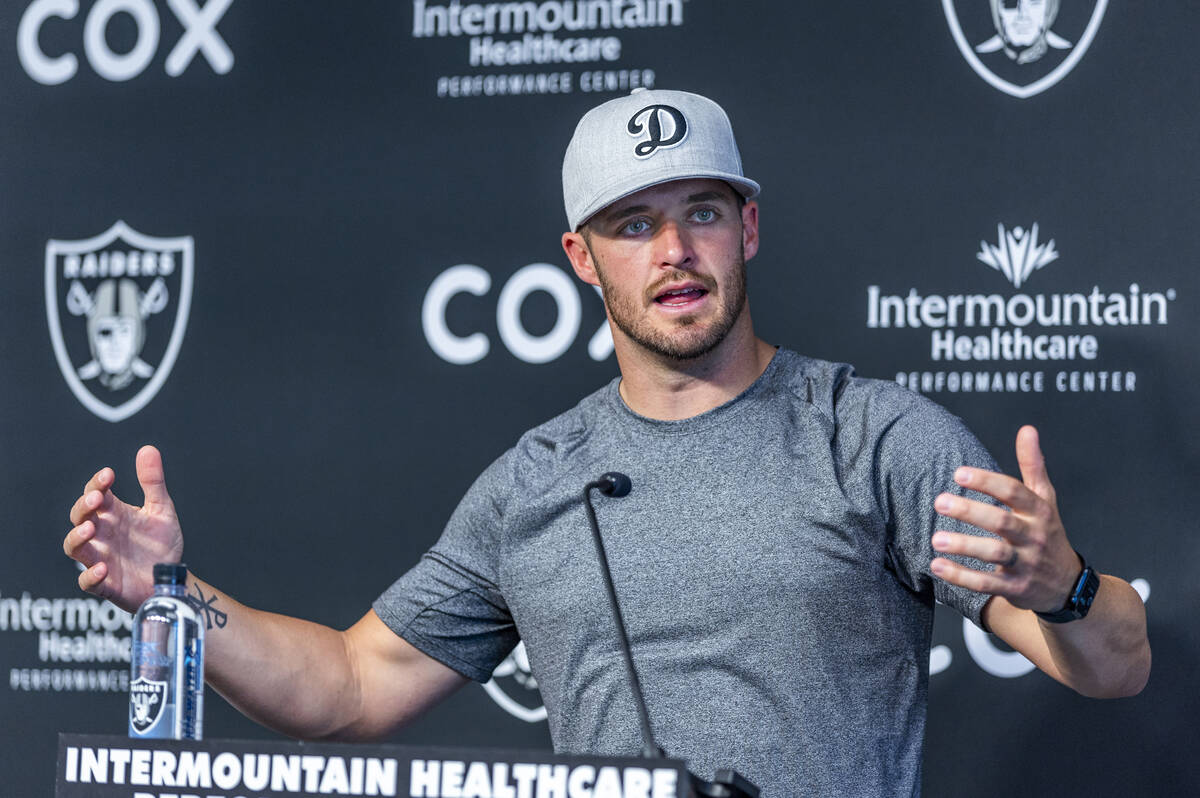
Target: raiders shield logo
{"points": [[1023, 47], [117, 305], [514, 688], [146, 702]]}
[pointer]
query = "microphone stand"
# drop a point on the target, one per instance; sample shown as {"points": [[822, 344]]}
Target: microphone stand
{"points": [[726, 783]]}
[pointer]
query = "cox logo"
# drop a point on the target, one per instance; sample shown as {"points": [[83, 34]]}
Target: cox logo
{"points": [[199, 36], [468, 279]]}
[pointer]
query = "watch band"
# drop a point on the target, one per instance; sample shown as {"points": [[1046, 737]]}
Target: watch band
{"points": [[1081, 597]]}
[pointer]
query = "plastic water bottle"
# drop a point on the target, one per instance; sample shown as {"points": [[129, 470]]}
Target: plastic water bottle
{"points": [[166, 686]]}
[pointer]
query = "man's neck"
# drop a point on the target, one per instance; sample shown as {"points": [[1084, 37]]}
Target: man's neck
{"points": [[666, 389]]}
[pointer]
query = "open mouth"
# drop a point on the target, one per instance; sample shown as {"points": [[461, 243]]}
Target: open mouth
{"points": [[680, 297]]}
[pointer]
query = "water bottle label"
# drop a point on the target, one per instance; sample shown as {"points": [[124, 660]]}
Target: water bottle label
{"points": [[146, 701], [149, 655]]}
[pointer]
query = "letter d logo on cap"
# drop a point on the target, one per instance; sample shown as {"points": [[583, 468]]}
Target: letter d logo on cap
{"points": [[660, 136]]}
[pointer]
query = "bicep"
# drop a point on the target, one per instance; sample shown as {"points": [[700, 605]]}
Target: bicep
{"points": [[396, 681]]}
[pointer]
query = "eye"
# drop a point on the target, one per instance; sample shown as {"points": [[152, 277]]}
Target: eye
{"points": [[635, 227], [704, 215]]}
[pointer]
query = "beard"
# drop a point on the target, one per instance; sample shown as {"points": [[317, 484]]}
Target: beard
{"points": [[688, 336]]}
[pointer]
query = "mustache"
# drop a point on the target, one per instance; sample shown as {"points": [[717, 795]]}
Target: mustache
{"points": [[680, 276]]}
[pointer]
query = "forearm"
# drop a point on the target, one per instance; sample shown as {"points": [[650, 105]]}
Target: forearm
{"points": [[1105, 655], [290, 675]]}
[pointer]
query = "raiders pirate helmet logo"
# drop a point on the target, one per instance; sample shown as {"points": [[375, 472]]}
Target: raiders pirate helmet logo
{"points": [[146, 701]]}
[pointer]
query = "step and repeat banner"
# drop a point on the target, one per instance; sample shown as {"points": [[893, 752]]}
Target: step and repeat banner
{"points": [[311, 251]]}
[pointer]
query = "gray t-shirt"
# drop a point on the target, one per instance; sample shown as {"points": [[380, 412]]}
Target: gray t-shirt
{"points": [[772, 563]]}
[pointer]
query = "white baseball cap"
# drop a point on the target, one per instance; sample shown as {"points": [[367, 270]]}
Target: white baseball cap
{"points": [[647, 137]]}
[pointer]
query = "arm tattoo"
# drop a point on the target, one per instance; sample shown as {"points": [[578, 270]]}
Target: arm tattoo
{"points": [[205, 607]]}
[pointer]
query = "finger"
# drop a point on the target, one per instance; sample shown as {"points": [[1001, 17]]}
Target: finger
{"points": [[81, 544], [81, 509], [997, 552], [1032, 462], [90, 503], [91, 578], [150, 475], [102, 480], [1003, 488], [979, 581], [77, 538], [985, 516]]}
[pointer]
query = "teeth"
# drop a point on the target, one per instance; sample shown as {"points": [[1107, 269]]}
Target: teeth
{"points": [[687, 294]]}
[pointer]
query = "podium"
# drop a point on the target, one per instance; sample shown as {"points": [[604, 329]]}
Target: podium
{"points": [[111, 766]]}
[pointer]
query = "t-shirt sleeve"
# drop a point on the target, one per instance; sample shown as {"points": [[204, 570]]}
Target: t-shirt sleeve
{"points": [[917, 457], [449, 605]]}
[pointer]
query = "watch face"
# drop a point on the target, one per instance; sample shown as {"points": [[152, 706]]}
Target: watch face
{"points": [[1080, 600], [1086, 593]]}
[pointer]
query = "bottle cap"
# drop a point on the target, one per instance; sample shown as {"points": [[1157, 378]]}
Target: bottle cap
{"points": [[170, 573]]}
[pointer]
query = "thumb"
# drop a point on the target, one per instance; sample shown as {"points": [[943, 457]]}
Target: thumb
{"points": [[150, 475], [1032, 463]]}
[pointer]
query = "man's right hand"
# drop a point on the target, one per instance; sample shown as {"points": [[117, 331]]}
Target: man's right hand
{"points": [[359, 684], [118, 543]]}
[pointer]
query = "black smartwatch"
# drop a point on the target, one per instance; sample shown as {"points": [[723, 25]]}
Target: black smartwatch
{"points": [[1081, 598]]}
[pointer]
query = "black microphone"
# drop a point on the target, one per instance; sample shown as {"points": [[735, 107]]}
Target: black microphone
{"points": [[614, 483], [727, 783]]}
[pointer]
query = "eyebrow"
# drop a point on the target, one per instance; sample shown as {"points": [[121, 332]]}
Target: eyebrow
{"points": [[709, 196], [628, 210], [633, 210]]}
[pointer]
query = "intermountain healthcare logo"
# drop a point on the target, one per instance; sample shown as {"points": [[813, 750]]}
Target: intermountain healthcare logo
{"points": [[975, 331], [72, 644], [576, 44], [117, 306], [1023, 47]]}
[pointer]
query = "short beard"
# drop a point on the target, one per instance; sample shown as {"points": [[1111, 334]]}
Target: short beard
{"points": [[625, 315]]}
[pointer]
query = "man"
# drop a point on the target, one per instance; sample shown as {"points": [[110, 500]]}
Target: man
{"points": [[777, 561]]}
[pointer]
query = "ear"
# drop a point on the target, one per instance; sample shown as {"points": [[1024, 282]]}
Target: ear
{"points": [[580, 257], [750, 229]]}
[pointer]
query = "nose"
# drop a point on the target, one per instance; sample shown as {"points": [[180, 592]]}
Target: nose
{"points": [[673, 247]]}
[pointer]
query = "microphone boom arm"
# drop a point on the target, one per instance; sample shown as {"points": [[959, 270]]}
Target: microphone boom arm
{"points": [[727, 783], [610, 485]]}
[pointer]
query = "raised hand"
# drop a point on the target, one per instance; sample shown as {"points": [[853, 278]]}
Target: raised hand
{"points": [[1036, 566], [118, 543]]}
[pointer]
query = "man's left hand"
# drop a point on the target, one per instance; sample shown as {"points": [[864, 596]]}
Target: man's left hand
{"points": [[1036, 567]]}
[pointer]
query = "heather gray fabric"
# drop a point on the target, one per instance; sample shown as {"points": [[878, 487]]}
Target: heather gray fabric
{"points": [[772, 563], [645, 138]]}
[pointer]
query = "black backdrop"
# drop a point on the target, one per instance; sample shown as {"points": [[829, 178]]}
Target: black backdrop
{"points": [[329, 161]]}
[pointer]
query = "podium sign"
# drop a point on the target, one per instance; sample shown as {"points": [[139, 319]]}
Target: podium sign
{"points": [[105, 766]]}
